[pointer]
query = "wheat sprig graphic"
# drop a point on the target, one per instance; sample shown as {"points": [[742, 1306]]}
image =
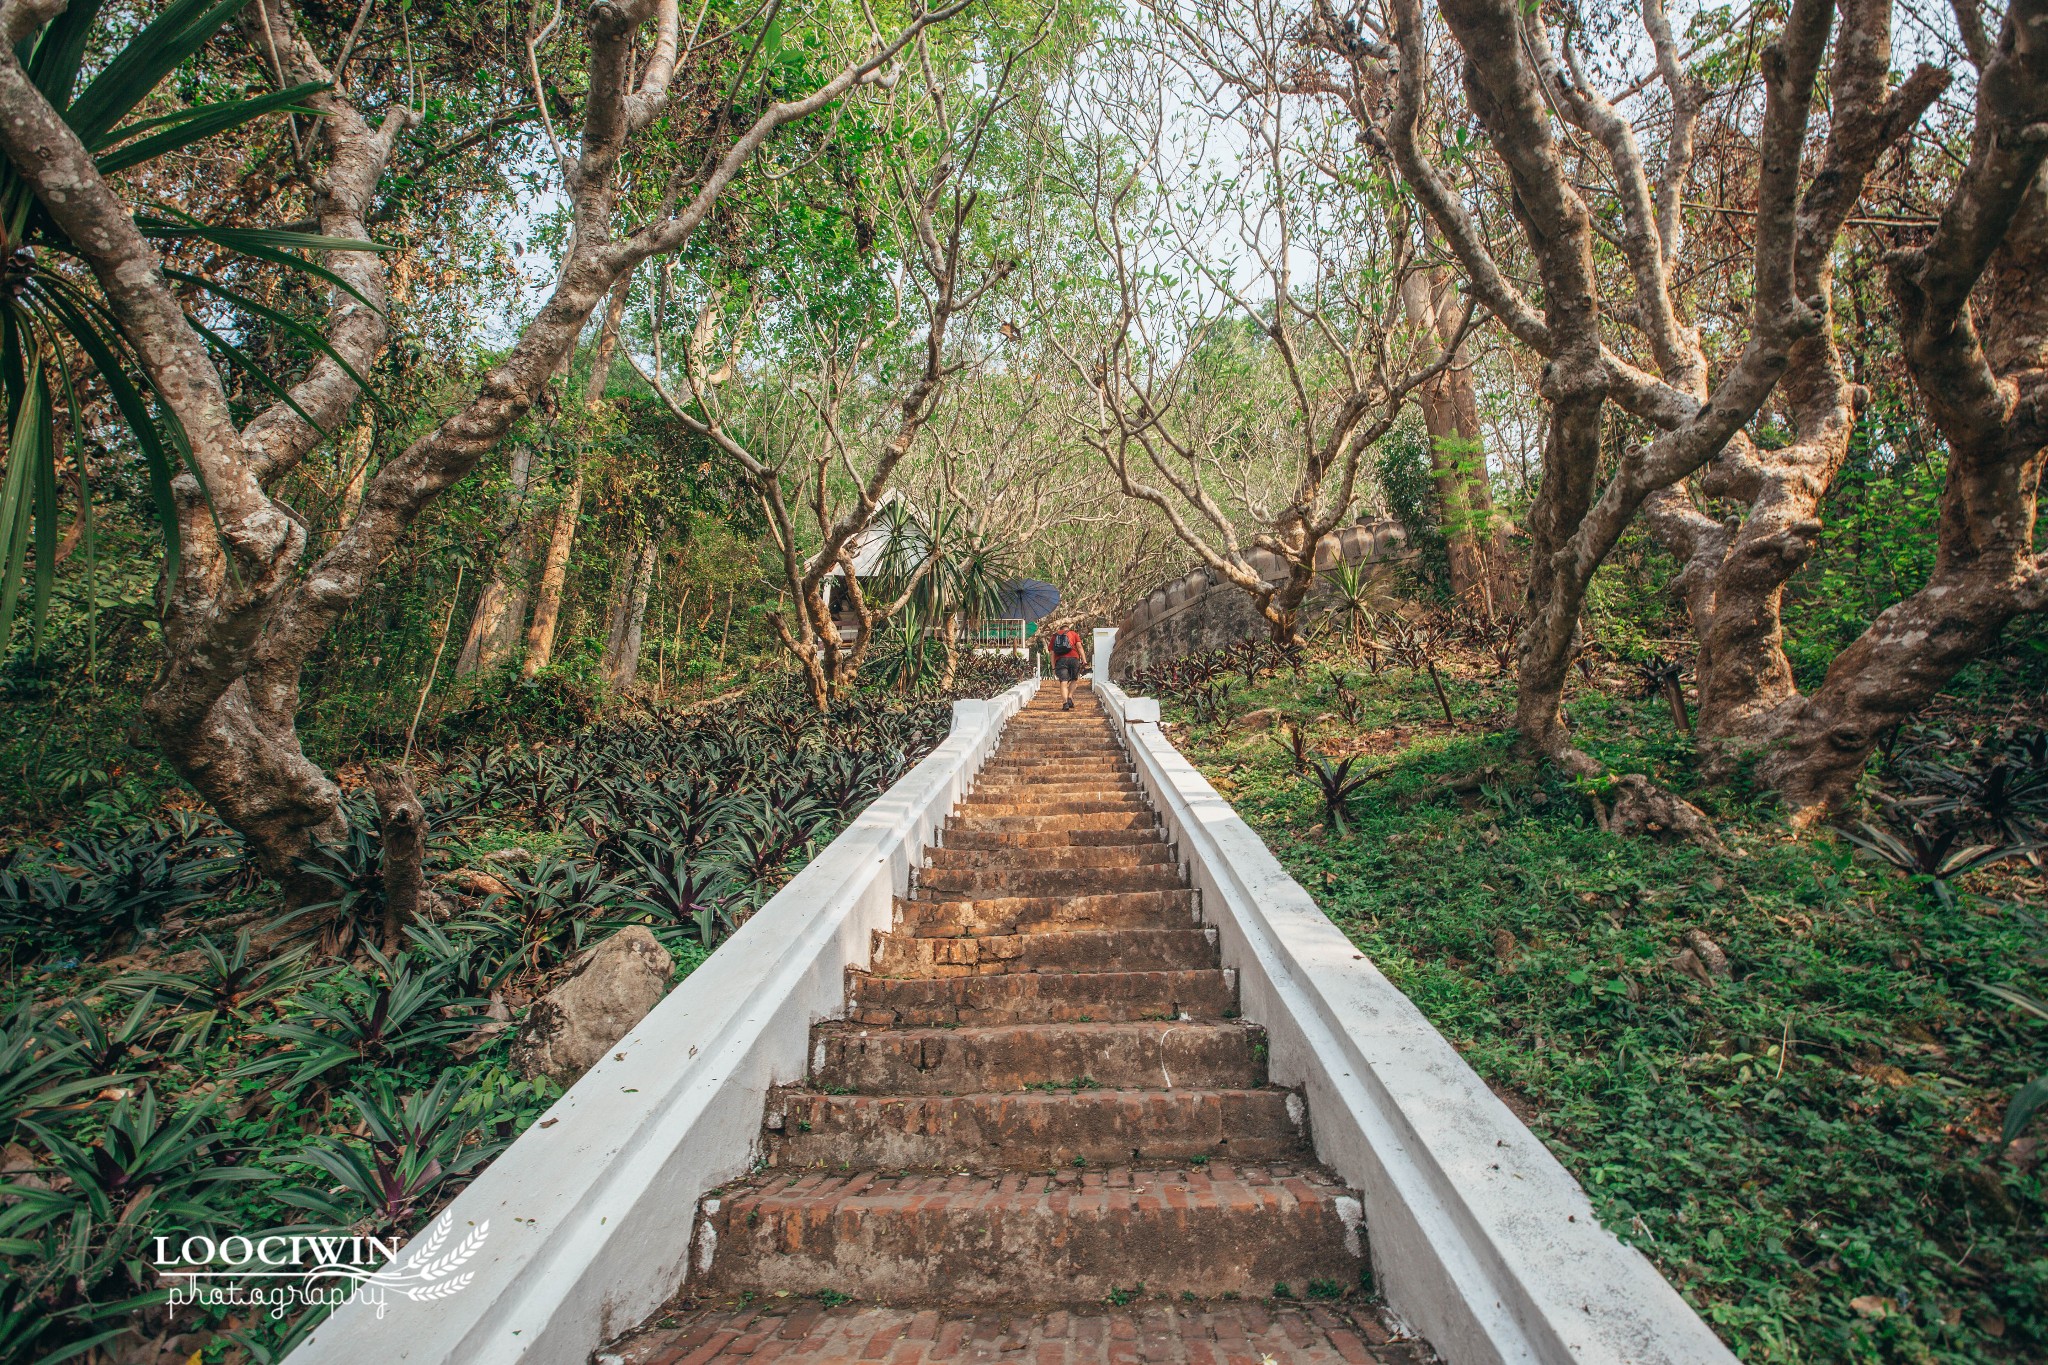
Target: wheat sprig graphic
{"points": [[467, 1248], [442, 1225], [427, 1293]]}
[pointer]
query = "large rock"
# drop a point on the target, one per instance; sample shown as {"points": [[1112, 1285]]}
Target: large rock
{"points": [[612, 987]]}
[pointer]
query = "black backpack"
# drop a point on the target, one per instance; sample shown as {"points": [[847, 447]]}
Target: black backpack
{"points": [[1065, 642]]}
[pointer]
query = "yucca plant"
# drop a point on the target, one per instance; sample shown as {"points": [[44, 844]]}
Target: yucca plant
{"points": [[372, 1021], [910, 659], [1935, 853], [410, 1146], [231, 984], [1337, 784], [52, 317], [1352, 585]]}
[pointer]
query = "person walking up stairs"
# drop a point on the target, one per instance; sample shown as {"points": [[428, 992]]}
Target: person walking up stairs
{"points": [[1068, 662], [1041, 1127]]}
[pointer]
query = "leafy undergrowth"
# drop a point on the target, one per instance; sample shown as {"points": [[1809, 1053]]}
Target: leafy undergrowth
{"points": [[177, 1060], [1809, 1147]]}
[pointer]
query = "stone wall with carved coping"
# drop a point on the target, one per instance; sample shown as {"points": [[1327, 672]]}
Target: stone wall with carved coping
{"points": [[1200, 611]]}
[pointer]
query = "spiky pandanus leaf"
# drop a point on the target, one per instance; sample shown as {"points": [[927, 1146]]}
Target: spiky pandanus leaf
{"points": [[47, 315]]}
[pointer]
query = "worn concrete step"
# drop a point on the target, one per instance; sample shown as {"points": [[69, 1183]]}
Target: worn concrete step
{"points": [[906, 954], [1040, 997], [978, 838], [1034, 1130], [1215, 1054], [1071, 1237], [1025, 881], [968, 916], [1113, 856]]}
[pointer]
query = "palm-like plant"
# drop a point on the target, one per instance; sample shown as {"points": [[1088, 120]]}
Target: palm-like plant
{"points": [[55, 328], [954, 574], [1352, 585], [1337, 784]]}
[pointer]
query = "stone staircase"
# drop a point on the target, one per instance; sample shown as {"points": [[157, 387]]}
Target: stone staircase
{"points": [[1040, 1128]]}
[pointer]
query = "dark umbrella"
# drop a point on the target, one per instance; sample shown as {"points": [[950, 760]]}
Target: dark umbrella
{"points": [[1027, 599]]}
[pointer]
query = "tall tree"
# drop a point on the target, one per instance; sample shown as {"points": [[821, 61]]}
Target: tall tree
{"points": [[821, 487], [1972, 309], [242, 616], [1236, 326], [1549, 128]]}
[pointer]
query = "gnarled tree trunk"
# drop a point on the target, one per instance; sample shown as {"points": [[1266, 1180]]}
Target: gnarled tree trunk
{"points": [[1734, 578], [243, 617], [1982, 371]]}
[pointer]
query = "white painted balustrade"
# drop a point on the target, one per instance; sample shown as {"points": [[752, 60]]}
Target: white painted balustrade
{"points": [[1482, 1243], [589, 1212]]}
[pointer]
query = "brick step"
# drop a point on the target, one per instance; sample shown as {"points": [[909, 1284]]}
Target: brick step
{"points": [[1073, 1237], [1026, 800], [1035, 1130], [979, 838], [1215, 1054], [1052, 801], [1029, 881], [1066, 784], [966, 916], [1093, 821], [1068, 738], [1039, 997], [1158, 1332], [1151, 854], [909, 955], [1033, 755], [1076, 760]]}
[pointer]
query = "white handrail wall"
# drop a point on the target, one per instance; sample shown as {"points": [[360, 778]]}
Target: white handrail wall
{"points": [[1481, 1241], [590, 1211]]}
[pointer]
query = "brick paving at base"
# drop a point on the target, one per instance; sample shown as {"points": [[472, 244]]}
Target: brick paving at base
{"points": [[1214, 1333]]}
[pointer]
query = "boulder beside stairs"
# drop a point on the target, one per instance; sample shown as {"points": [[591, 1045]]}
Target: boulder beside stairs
{"points": [[610, 989]]}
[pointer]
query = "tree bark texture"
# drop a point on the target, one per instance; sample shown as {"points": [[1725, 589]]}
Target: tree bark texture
{"points": [[1735, 574], [1973, 315], [554, 577], [1518, 86], [402, 826], [621, 665]]}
